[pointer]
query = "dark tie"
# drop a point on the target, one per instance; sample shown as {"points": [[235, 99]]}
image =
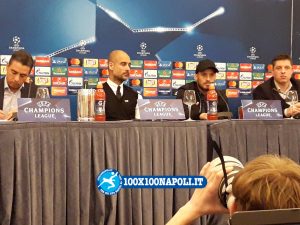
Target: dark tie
{"points": [[118, 94]]}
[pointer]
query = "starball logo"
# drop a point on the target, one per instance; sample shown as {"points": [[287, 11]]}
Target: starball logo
{"points": [[143, 50], [16, 44], [200, 52], [252, 55]]}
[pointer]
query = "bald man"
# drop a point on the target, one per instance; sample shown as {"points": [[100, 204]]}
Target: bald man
{"points": [[121, 100]]}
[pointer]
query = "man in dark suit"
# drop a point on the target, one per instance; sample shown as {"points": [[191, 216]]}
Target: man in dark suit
{"points": [[277, 87], [121, 100], [205, 74], [16, 84]]}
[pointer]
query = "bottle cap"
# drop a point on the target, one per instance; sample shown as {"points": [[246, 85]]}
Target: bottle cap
{"points": [[212, 86], [99, 85]]}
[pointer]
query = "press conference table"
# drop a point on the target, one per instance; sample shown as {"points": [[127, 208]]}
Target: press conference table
{"points": [[48, 170]]}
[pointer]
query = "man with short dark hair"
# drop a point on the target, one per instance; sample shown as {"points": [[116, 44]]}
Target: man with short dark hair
{"points": [[16, 84], [121, 100], [205, 74], [277, 87]]}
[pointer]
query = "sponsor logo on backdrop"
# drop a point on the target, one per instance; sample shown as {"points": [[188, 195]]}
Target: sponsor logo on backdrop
{"points": [[42, 71], [232, 93], [42, 81], [221, 76], [245, 76], [269, 67], [178, 74], [32, 71], [297, 76], [245, 84], [75, 71], [75, 81], [221, 84], [268, 76], [139, 90], [59, 71], [150, 92], [221, 66], [143, 50], [177, 83], [296, 68], [259, 67], [16, 44], [164, 64], [3, 70], [137, 64], [103, 63], [4, 59], [59, 61], [103, 79], [75, 62], [178, 65], [136, 82], [252, 55], [188, 81], [104, 72], [93, 81], [246, 67], [150, 82], [82, 50], [164, 73], [200, 52], [136, 73], [255, 83], [232, 75], [59, 91], [164, 83], [92, 63], [189, 74], [59, 81], [164, 92], [150, 64], [150, 73], [258, 76], [91, 71], [233, 84], [233, 66], [191, 66], [42, 61]]}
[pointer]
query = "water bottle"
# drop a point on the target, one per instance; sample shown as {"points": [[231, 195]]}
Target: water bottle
{"points": [[100, 103], [212, 103]]}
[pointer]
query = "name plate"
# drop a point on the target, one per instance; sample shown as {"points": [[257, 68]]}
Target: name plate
{"points": [[161, 109], [43, 110], [262, 109]]}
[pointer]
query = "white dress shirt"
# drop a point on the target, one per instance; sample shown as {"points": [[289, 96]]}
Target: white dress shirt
{"points": [[10, 102]]}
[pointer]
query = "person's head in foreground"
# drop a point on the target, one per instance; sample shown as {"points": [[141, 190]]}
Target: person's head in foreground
{"points": [[267, 182]]}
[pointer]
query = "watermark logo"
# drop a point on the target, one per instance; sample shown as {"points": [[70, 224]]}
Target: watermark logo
{"points": [[109, 182]]}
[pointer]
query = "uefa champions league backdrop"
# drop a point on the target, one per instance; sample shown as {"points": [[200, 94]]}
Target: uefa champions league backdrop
{"points": [[72, 39]]}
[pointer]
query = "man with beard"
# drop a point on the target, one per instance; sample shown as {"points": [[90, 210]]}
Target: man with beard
{"points": [[121, 100], [205, 74]]}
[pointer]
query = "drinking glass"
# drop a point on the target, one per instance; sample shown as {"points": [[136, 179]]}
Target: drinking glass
{"points": [[189, 98], [42, 92], [291, 99]]}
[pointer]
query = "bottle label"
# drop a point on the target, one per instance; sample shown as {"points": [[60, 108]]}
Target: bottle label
{"points": [[100, 107], [212, 107]]}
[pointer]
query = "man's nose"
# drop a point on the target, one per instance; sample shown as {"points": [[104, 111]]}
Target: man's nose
{"points": [[17, 77]]}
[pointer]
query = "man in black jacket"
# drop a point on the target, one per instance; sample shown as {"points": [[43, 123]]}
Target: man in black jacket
{"points": [[277, 87], [16, 84], [205, 74], [121, 100]]}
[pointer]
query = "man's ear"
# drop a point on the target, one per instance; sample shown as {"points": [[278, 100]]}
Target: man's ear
{"points": [[110, 65]]}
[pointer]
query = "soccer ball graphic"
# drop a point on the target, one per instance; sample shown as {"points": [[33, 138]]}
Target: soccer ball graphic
{"points": [[200, 48], [16, 40]]}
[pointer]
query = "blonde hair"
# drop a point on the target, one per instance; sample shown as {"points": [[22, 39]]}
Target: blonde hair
{"points": [[268, 182]]}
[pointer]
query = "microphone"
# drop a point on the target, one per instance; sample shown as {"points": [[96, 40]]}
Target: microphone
{"points": [[227, 106]]}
